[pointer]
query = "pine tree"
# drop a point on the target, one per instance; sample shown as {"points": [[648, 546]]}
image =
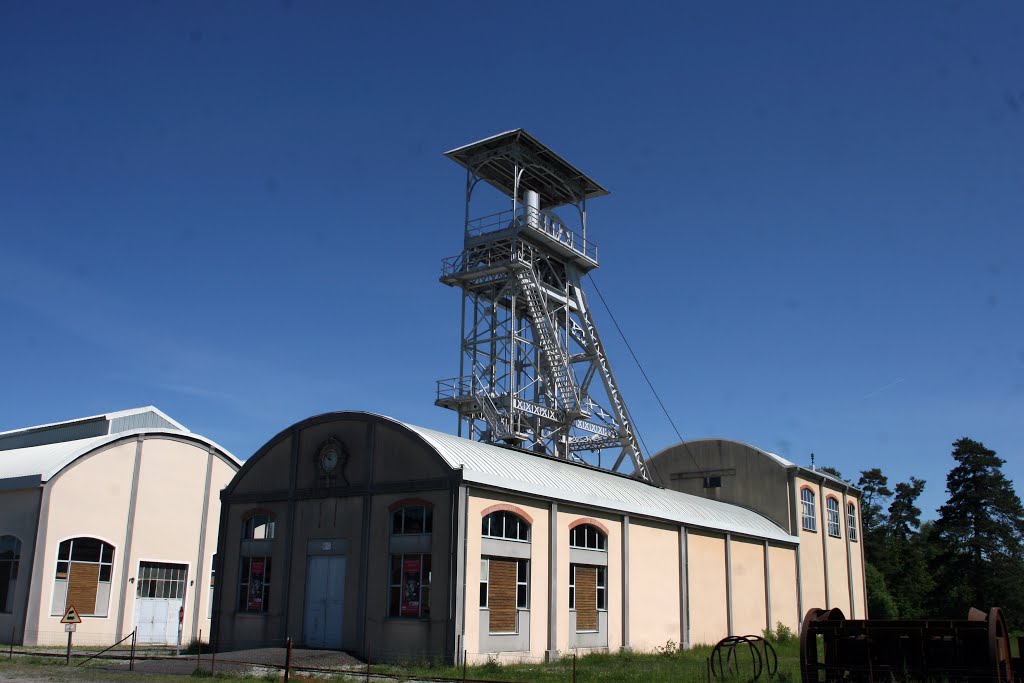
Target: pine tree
{"points": [[908, 552], [875, 492], [979, 534], [904, 516]]}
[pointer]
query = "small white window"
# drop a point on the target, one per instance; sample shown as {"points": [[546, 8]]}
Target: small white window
{"points": [[587, 536], [851, 521], [832, 505], [808, 517]]}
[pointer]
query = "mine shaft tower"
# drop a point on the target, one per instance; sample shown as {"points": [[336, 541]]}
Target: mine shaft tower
{"points": [[533, 372]]}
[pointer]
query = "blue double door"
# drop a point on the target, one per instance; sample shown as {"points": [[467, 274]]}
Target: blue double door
{"points": [[324, 612]]}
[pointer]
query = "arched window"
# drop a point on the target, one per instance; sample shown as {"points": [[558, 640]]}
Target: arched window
{"points": [[589, 537], [259, 527], [505, 569], [413, 519], [851, 521], [256, 562], [10, 556], [808, 515], [506, 525], [412, 523], [82, 579], [588, 580], [832, 506]]}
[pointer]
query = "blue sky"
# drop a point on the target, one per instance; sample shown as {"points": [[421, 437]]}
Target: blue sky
{"points": [[237, 211]]}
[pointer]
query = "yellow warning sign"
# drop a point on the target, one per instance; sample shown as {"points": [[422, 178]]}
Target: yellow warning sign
{"points": [[71, 616]]}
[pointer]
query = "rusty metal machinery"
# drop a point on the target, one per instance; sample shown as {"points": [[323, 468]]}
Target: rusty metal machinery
{"points": [[746, 658], [834, 648]]}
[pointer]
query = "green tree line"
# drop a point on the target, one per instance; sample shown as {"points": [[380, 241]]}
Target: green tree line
{"points": [[970, 556]]}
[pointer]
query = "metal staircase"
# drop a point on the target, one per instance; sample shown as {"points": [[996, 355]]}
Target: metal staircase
{"points": [[556, 362]]}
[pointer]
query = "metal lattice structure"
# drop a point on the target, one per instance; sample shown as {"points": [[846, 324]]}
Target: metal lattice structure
{"points": [[533, 372]]}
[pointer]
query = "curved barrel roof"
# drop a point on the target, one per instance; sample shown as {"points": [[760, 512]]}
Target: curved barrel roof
{"points": [[38, 464]]}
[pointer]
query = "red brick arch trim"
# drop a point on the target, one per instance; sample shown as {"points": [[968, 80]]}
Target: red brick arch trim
{"points": [[409, 502], [505, 507], [809, 488], [835, 498], [592, 522]]}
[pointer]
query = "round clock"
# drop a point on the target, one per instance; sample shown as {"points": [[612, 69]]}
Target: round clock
{"points": [[329, 459], [330, 456]]}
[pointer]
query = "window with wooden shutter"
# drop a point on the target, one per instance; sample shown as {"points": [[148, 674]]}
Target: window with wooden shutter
{"points": [[83, 576], [586, 598], [501, 598]]}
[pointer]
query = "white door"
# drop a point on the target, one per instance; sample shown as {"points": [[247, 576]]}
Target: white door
{"points": [[325, 601], [159, 594]]}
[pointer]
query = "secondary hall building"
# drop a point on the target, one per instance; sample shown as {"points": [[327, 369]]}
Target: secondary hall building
{"points": [[114, 514]]}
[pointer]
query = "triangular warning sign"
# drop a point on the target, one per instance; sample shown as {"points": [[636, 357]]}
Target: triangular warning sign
{"points": [[71, 616]]}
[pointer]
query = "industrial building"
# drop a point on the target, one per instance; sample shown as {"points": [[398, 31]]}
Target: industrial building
{"points": [[355, 531], [539, 528], [114, 514]]}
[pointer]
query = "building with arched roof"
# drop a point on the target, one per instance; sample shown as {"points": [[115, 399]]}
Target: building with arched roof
{"points": [[115, 515], [355, 531], [819, 508]]}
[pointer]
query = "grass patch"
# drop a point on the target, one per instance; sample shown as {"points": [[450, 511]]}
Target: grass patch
{"points": [[664, 663]]}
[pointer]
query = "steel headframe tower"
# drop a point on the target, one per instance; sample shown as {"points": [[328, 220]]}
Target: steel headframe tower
{"points": [[533, 372]]}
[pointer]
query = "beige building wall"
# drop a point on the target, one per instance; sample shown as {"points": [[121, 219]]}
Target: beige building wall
{"points": [[838, 568], [709, 621], [782, 565], [857, 553], [169, 523], [654, 612], [478, 501], [566, 516], [92, 497], [812, 556], [749, 610]]}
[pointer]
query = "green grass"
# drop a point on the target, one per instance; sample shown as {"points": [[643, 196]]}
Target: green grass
{"points": [[664, 664]]}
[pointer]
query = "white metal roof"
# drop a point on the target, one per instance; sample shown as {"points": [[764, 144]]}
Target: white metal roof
{"points": [[564, 481], [108, 416], [47, 460]]}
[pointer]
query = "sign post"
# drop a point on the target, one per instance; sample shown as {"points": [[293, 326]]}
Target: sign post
{"points": [[70, 620]]}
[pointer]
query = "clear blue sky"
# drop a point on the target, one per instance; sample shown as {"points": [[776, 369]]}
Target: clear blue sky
{"points": [[237, 211]]}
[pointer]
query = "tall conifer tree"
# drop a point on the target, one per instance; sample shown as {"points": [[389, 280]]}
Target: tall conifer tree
{"points": [[979, 532]]}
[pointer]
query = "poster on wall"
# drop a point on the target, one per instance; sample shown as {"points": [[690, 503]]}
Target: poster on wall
{"points": [[256, 571], [411, 587]]}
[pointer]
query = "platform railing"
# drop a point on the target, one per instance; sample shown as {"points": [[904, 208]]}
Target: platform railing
{"points": [[533, 219]]}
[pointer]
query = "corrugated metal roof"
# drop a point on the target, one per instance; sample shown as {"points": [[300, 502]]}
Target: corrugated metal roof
{"points": [[105, 416], [88, 427], [564, 481], [47, 460]]}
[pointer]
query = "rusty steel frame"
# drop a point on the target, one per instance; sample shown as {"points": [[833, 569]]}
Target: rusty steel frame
{"points": [[973, 649]]}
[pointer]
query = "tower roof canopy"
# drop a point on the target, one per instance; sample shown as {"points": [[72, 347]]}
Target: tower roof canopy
{"points": [[494, 159]]}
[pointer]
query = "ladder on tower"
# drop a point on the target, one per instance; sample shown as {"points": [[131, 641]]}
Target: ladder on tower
{"points": [[555, 357]]}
